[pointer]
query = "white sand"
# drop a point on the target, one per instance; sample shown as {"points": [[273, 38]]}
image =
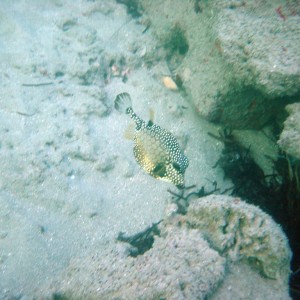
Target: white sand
{"points": [[69, 181]]}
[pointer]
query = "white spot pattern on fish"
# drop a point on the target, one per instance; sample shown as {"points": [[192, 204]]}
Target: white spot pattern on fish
{"points": [[156, 150]]}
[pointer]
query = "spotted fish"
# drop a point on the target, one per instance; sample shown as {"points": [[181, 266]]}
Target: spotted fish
{"points": [[155, 149]]}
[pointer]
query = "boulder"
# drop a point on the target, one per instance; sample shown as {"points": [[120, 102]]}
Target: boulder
{"points": [[289, 139], [241, 62]]}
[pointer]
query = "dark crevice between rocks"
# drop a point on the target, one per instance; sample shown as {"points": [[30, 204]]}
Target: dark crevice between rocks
{"points": [[142, 241], [254, 112], [278, 194]]}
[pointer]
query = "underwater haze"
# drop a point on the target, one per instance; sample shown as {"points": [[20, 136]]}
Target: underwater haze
{"points": [[189, 188]]}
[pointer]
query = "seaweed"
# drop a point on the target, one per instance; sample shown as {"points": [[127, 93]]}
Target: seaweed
{"points": [[278, 193], [134, 7], [248, 178], [59, 296], [142, 241], [182, 200], [176, 42], [197, 6]]}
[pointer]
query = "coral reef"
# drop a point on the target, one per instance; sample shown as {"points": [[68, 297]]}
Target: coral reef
{"points": [[240, 230]]}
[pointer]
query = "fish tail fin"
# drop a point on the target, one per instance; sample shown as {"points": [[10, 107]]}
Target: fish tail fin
{"points": [[123, 102]]}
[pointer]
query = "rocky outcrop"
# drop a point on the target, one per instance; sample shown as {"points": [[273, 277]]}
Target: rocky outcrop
{"points": [[290, 137], [242, 61], [242, 231], [261, 42], [188, 258], [181, 265]]}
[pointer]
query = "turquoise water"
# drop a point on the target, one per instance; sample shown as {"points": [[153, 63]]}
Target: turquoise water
{"points": [[69, 181]]}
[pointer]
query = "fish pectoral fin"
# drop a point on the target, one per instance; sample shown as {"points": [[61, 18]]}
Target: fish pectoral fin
{"points": [[129, 132], [159, 170]]}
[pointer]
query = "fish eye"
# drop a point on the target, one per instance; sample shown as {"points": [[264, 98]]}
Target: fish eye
{"points": [[176, 166], [150, 123]]}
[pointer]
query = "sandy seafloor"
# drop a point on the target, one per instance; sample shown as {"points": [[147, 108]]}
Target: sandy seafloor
{"points": [[69, 182]]}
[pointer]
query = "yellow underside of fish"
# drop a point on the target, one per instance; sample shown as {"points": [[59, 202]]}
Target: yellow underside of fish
{"points": [[149, 152]]}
